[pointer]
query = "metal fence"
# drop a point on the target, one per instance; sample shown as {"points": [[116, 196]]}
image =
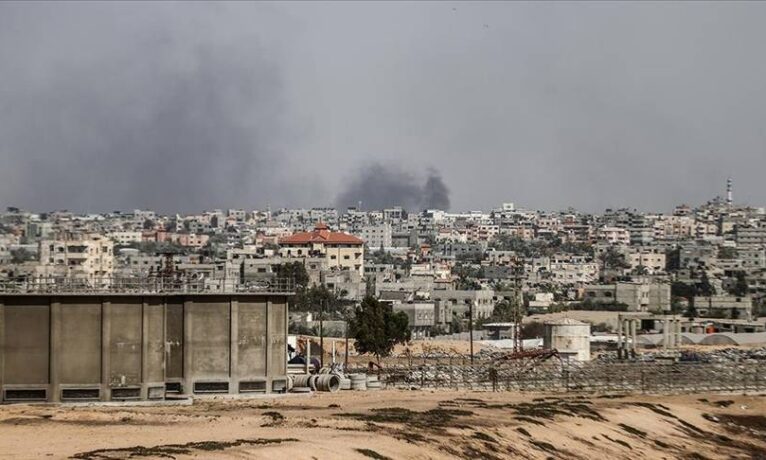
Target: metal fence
{"points": [[144, 285], [594, 377]]}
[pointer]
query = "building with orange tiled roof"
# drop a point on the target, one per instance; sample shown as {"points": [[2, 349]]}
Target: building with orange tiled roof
{"points": [[342, 251]]}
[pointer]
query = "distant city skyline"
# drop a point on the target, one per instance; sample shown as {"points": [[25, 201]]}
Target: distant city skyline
{"points": [[727, 197]]}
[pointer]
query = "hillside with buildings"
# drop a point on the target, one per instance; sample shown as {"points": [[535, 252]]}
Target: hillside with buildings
{"points": [[447, 271]]}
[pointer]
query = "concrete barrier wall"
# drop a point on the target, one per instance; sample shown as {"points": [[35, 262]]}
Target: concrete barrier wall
{"points": [[27, 332], [250, 351], [174, 329], [118, 347]]}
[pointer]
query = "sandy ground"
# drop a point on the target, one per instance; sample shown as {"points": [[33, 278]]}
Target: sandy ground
{"points": [[417, 347], [397, 425]]}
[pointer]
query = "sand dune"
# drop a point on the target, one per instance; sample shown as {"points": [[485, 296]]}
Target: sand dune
{"points": [[397, 424]]}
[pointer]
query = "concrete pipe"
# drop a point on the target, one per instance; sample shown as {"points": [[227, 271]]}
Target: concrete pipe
{"points": [[359, 382], [301, 381], [313, 382], [373, 383], [328, 382]]}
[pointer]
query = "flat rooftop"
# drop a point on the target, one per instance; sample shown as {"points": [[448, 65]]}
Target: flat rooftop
{"points": [[146, 286]]}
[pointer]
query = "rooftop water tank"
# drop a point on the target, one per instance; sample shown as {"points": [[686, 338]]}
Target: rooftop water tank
{"points": [[571, 338]]}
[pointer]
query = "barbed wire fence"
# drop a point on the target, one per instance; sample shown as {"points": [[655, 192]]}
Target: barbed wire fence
{"points": [[574, 377]]}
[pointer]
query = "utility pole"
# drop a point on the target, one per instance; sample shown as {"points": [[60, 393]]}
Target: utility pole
{"points": [[470, 328], [321, 332], [345, 361]]}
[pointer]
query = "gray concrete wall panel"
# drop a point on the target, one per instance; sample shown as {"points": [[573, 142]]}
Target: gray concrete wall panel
{"points": [[125, 347], [251, 341], [154, 340], [174, 326], [79, 344], [207, 339], [26, 335], [278, 337]]}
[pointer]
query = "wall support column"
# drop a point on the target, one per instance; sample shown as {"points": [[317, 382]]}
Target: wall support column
{"points": [[188, 349], [234, 346], [267, 345], [2, 349], [106, 349], [619, 337], [633, 327], [53, 352], [144, 349]]}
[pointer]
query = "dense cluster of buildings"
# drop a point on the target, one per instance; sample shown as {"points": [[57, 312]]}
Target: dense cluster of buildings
{"points": [[436, 266]]}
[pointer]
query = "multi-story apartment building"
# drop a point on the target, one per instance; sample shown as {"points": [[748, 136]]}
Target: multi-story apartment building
{"points": [[653, 260], [341, 250], [746, 235], [191, 240], [752, 258], [635, 296], [673, 227], [724, 306], [125, 238], [573, 270], [614, 235], [376, 236], [480, 302], [89, 257]]}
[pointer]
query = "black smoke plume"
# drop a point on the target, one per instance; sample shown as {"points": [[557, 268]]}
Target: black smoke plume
{"points": [[380, 186], [163, 110]]}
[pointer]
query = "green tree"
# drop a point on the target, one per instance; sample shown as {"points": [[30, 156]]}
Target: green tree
{"points": [[613, 259], [295, 271], [506, 311], [640, 270], [680, 289], [741, 287], [533, 329], [377, 328], [672, 260], [20, 255], [704, 287], [456, 325]]}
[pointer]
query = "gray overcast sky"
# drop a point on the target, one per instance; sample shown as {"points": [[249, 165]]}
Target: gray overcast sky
{"points": [[191, 106]]}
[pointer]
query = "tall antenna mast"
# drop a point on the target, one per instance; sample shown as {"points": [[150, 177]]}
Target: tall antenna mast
{"points": [[729, 200]]}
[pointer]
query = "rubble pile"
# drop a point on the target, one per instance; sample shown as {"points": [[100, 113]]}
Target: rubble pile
{"points": [[724, 355]]}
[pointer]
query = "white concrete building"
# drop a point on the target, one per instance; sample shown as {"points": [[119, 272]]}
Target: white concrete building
{"points": [[89, 257], [376, 236]]}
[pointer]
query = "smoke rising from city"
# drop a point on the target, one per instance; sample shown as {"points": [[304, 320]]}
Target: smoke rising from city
{"points": [[182, 107], [169, 115], [379, 186], [435, 192]]}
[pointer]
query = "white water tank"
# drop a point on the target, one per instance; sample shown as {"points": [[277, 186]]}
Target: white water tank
{"points": [[571, 338]]}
